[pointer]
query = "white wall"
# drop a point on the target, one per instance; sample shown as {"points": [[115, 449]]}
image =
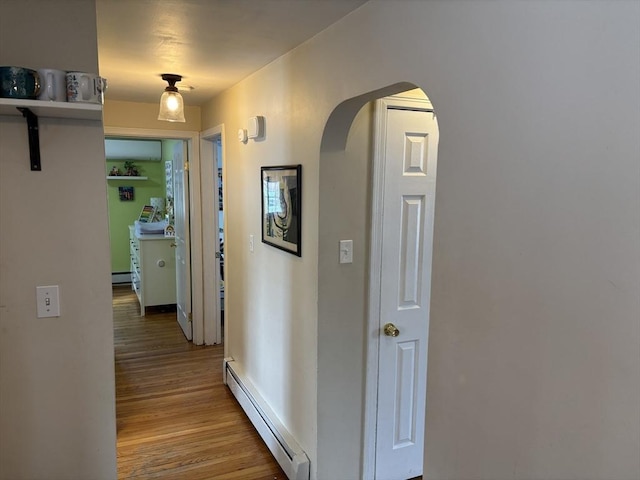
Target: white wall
{"points": [[57, 394], [342, 295], [145, 115], [533, 359]]}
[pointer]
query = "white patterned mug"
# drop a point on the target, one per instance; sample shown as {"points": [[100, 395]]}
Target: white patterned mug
{"points": [[85, 87], [53, 85]]}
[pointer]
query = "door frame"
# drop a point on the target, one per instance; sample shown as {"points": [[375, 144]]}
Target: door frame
{"points": [[193, 149], [213, 331], [375, 271]]}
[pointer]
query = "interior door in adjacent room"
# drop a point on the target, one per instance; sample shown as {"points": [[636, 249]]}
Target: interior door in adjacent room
{"points": [[181, 243]]}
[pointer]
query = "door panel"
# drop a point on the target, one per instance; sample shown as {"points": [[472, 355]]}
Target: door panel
{"points": [[183, 253], [411, 243], [406, 392], [408, 204]]}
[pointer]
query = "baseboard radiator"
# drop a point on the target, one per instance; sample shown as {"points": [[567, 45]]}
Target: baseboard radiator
{"points": [[292, 459], [120, 278]]}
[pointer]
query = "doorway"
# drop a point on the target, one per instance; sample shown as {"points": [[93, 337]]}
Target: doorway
{"points": [[353, 209], [188, 144]]}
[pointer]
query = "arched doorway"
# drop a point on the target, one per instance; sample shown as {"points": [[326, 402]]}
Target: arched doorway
{"points": [[352, 207]]}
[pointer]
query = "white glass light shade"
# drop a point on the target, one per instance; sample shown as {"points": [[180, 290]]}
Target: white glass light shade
{"points": [[171, 107]]}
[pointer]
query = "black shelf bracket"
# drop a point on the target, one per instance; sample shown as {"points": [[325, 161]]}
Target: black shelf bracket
{"points": [[34, 138]]}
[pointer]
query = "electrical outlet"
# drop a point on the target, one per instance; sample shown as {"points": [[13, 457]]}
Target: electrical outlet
{"points": [[48, 301]]}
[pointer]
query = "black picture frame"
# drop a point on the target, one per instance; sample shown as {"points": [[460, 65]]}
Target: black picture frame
{"points": [[282, 207], [126, 194]]}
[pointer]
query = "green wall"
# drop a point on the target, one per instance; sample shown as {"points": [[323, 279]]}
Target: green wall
{"points": [[124, 213]]}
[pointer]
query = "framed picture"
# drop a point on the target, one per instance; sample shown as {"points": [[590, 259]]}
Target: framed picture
{"points": [[282, 207], [125, 194]]}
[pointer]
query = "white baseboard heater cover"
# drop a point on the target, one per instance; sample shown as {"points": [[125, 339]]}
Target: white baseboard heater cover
{"points": [[120, 278], [292, 459]]}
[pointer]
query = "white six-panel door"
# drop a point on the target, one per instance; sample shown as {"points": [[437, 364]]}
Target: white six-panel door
{"points": [[182, 245], [410, 153]]}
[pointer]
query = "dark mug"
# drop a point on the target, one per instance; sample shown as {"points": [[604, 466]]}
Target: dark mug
{"points": [[18, 82]]}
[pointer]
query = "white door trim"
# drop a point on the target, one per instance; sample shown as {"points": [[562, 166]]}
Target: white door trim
{"points": [[193, 148], [213, 332], [375, 268]]}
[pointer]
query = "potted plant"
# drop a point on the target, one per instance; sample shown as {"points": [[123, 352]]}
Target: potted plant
{"points": [[130, 169]]}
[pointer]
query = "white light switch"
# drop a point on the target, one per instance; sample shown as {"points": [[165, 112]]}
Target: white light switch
{"points": [[251, 243], [346, 251], [48, 301]]}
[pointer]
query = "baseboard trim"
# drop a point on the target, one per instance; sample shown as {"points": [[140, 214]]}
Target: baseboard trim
{"points": [[280, 442]]}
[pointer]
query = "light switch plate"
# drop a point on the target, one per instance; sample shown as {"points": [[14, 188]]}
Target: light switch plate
{"points": [[48, 301], [346, 251]]}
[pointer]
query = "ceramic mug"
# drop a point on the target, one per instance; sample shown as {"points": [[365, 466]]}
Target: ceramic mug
{"points": [[85, 87], [18, 82], [53, 85]]}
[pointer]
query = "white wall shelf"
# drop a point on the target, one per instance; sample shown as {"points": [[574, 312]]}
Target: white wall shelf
{"points": [[45, 109], [32, 109], [125, 177]]}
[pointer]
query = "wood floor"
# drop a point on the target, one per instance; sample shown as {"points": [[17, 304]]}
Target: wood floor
{"points": [[175, 418]]}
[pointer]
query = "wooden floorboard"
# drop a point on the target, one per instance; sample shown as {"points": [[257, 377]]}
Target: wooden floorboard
{"points": [[175, 417]]}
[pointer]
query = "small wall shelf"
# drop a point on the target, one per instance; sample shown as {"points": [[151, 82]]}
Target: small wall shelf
{"points": [[125, 177], [32, 109], [41, 108]]}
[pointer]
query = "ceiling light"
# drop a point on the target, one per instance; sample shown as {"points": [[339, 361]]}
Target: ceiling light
{"points": [[171, 104]]}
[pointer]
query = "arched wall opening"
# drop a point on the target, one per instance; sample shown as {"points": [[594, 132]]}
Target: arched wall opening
{"points": [[345, 212]]}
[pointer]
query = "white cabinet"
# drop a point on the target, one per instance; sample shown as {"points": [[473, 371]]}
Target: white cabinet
{"points": [[153, 269]]}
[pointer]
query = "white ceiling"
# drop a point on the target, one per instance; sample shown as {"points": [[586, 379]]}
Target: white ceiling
{"points": [[213, 44]]}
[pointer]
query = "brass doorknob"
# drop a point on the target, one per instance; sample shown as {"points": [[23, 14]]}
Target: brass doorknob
{"points": [[390, 330]]}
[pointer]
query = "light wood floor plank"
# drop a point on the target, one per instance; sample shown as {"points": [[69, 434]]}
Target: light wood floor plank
{"points": [[175, 417]]}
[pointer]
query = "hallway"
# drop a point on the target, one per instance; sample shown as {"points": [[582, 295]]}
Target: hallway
{"points": [[175, 417]]}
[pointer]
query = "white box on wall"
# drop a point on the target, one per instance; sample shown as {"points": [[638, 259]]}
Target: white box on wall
{"points": [[255, 127]]}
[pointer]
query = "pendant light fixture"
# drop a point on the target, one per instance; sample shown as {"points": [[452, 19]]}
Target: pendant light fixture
{"points": [[171, 104]]}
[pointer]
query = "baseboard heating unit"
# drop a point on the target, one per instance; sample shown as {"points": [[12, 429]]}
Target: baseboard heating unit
{"points": [[292, 459], [120, 278]]}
